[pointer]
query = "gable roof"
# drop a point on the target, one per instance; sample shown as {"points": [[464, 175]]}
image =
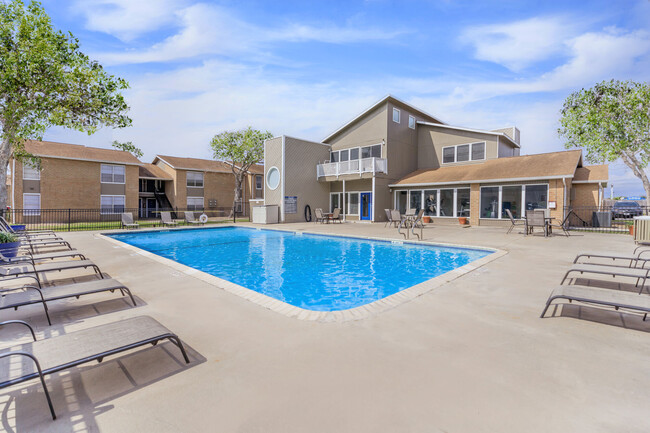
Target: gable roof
{"points": [[480, 131], [554, 165], [52, 149], [592, 174], [256, 169], [152, 171], [383, 100], [196, 164]]}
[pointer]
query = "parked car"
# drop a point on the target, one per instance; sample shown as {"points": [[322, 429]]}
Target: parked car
{"points": [[626, 209]]}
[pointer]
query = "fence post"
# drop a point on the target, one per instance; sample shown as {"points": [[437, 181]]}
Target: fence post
{"points": [[69, 211]]}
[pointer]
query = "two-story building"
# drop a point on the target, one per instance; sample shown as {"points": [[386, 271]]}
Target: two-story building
{"points": [[76, 177], [79, 177], [396, 156]]}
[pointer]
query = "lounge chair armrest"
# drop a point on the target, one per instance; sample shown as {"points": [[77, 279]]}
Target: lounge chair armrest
{"points": [[19, 322]]}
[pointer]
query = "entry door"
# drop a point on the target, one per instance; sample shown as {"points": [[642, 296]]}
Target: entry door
{"points": [[366, 205], [152, 205]]}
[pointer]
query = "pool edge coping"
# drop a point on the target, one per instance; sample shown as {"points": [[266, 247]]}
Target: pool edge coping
{"points": [[291, 311]]}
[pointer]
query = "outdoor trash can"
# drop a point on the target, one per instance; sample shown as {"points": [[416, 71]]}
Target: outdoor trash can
{"points": [[601, 219]]}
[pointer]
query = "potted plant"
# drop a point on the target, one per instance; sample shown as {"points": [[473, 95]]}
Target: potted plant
{"points": [[462, 221], [630, 226], [9, 244], [426, 219]]}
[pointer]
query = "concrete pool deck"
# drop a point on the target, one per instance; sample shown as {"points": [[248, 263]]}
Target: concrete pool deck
{"points": [[471, 355]]}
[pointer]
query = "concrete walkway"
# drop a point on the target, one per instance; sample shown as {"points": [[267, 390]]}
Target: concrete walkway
{"points": [[469, 356]]}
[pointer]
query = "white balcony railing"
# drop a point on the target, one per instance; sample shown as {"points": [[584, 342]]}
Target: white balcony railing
{"points": [[356, 166]]}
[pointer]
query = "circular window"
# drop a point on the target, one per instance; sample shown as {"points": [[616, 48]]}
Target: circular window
{"points": [[273, 178]]}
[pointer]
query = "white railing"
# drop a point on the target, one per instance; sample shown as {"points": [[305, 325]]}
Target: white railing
{"points": [[356, 166]]}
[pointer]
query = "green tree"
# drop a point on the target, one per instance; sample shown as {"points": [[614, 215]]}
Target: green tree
{"points": [[45, 80], [128, 146], [611, 121], [242, 149]]}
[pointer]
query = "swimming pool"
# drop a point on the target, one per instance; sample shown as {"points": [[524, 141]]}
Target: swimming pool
{"points": [[313, 272]]}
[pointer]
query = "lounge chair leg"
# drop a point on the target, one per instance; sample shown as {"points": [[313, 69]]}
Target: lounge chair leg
{"points": [[548, 304], [130, 296], [177, 341]]}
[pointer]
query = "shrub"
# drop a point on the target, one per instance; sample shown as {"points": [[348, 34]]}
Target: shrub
{"points": [[6, 238]]}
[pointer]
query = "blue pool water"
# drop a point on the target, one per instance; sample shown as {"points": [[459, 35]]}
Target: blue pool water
{"points": [[323, 273]]}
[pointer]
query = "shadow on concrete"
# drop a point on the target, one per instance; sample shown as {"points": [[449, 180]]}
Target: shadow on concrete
{"points": [[82, 393], [611, 317]]}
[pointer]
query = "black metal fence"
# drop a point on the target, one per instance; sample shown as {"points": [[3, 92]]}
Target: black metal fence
{"points": [[608, 219], [104, 219]]}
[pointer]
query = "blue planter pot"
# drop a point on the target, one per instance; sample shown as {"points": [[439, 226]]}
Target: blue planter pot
{"points": [[18, 227], [10, 249]]}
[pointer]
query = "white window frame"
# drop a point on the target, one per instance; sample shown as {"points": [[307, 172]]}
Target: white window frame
{"points": [[112, 173], [33, 170], [471, 154], [112, 212], [187, 179], [411, 122], [187, 203], [422, 189], [397, 112], [29, 211], [259, 186], [523, 198]]}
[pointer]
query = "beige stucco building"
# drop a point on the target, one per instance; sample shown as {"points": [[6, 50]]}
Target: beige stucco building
{"points": [[396, 156]]}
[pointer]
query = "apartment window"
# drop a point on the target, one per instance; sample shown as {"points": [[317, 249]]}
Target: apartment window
{"points": [[395, 115], [411, 122], [353, 208], [536, 196], [490, 202], [112, 173], [373, 151], [195, 179], [31, 173], [448, 154], [447, 202], [335, 200], [431, 202], [354, 154], [415, 200], [258, 181], [495, 200], [478, 151], [334, 156], [111, 204], [195, 203], [31, 204], [463, 152], [462, 202]]}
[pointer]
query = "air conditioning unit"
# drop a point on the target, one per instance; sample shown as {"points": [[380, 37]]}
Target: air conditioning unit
{"points": [[642, 229]]}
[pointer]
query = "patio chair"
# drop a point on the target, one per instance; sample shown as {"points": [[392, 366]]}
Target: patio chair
{"points": [[32, 244], [536, 218], [190, 219], [634, 261], [396, 217], [514, 222], [9, 271], [562, 225], [4, 224], [33, 258], [641, 274], [318, 215], [30, 294], [51, 355], [127, 221], [598, 296], [336, 215], [389, 218], [166, 218]]}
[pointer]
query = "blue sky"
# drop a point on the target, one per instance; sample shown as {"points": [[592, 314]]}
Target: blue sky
{"points": [[304, 68]]}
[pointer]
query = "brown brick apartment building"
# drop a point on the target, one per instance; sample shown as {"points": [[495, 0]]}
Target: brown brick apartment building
{"points": [[78, 177]]}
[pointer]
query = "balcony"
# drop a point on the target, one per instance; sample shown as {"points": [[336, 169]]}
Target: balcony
{"points": [[356, 166]]}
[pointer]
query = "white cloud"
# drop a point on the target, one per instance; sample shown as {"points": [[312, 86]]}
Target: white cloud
{"points": [[212, 30], [519, 44], [127, 19]]}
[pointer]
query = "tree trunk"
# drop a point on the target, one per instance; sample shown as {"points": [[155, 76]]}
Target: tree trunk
{"points": [[238, 194], [630, 159], [5, 153]]}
